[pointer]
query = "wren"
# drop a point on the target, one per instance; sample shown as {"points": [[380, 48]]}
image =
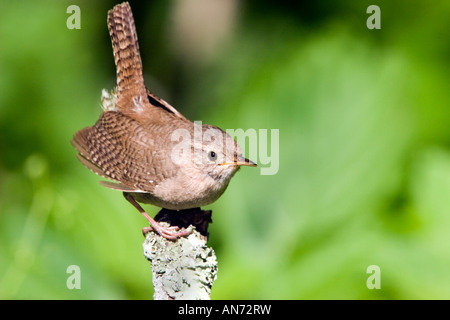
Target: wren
{"points": [[132, 142]]}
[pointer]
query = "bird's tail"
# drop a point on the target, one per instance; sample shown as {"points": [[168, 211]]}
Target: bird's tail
{"points": [[130, 81]]}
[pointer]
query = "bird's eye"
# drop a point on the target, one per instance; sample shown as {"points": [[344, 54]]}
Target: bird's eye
{"points": [[212, 156]]}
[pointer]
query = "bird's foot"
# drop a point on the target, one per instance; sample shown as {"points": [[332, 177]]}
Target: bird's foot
{"points": [[171, 233]]}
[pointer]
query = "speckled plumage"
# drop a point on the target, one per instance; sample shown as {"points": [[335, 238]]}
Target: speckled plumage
{"points": [[132, 144]]}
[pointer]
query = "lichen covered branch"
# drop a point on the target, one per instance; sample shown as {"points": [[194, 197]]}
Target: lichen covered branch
{"points": [[184, 269]]}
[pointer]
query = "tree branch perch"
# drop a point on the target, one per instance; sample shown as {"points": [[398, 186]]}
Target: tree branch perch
{"points": [[184, 269]]}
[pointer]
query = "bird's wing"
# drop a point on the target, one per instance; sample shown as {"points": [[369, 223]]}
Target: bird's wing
{"points": [[157, 102], [119, 148]]}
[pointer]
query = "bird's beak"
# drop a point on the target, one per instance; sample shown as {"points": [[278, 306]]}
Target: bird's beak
{"points": [[241, 161]]}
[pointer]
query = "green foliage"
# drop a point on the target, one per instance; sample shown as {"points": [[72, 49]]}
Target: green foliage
{"points": [[364, 176]]}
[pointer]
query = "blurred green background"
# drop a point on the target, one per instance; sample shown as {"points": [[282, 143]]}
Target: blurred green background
{"points": [[363, 118]]}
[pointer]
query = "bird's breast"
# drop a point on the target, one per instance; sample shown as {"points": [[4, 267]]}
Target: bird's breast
{"points": [[179, 193]]}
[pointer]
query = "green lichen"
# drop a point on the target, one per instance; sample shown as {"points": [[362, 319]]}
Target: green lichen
{"points": [[182, 270]]}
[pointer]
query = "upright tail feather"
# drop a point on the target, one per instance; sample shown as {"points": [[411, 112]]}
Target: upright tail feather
{"points": [[130, 81]]}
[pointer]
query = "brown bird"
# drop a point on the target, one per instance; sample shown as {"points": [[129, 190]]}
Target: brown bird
{"points": [[151, 151]]}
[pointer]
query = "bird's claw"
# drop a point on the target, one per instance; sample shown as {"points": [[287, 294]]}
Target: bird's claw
{"points": [[171, 233]]}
